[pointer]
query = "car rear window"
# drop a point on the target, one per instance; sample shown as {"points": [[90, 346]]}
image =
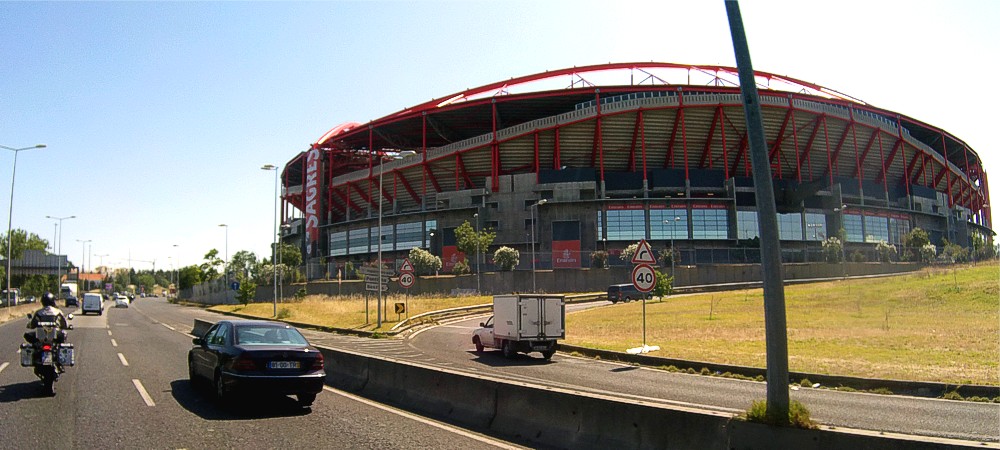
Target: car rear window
{"points": [[268, 335]]}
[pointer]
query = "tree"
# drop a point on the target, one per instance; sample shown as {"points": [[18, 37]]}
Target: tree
{"points": [[472, 243], [664, 284], [244, 264], [423, 261], [145, 280], [247, 290], [209, 269], [188, 276], [506, 258], [629, 251], [599, 259], [833, 249], [291, 255], [670, 254], [913, 242], [22, 241]]}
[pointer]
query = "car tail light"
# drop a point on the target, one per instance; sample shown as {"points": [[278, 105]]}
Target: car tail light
{"points": [[244, 364], [47, 348], [318, 362]]}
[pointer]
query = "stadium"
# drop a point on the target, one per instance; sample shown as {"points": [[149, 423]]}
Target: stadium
{"points": [[563, 163]]}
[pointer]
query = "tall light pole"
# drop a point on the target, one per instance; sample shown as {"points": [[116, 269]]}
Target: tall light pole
{"points": [[673, 253], [177, 268], [843, 244], [59, 252], [381, 170], [10, 209], [478, 276], [274, 247], [534, 206], [83, 254], [225, 265]]}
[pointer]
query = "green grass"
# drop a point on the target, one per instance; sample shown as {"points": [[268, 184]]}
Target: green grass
{"points": [[913, 327], [798, 415]]}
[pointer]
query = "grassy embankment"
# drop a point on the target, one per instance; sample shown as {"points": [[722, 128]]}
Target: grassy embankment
{"points": [[940, 325], [914, 327]]}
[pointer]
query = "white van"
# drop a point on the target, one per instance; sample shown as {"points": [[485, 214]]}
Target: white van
{"points": [[92, 302]]}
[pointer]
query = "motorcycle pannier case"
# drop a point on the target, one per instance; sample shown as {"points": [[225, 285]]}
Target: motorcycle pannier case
{"points": [[67, 356], [27, 351]]}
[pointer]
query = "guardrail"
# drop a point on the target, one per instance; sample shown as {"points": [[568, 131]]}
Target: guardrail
{"points": [[439, 314]]}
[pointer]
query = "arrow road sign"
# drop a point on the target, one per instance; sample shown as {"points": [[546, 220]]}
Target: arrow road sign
{"points": [[643, 254], [374, 287]]}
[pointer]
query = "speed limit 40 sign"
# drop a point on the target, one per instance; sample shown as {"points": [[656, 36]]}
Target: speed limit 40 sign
{"points": [[643, 277], [406, 280]]}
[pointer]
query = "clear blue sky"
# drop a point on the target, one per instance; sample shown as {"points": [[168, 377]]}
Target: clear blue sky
{"points": [[158, 116]]}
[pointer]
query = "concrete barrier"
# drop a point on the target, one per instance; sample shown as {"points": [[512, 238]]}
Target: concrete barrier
{"points": [[561, 418], [201, 327]]}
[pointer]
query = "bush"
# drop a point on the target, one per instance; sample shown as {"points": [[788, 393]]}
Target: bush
{"points": [[913, 241], [300, 294], [858, 256], [461, 268], [424, 262], [664, 284], [798, 415], [599, 259], [284, 313], [928, 252], [506, 258], [628, 252], [669, 255], [833, 249], [886, 251]]}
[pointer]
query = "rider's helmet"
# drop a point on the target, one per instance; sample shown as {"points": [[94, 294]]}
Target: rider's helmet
{"points": [[48, 299]]}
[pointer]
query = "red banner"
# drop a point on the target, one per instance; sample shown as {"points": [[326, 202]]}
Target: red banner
{"points": [[449, 257], [566, 254], [312, 199]]}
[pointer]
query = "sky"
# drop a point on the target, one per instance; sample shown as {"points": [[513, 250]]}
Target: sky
{"points": [[157, 116]]}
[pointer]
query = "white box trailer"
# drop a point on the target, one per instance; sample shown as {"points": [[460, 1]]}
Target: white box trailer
{"points": [[524, 323]]}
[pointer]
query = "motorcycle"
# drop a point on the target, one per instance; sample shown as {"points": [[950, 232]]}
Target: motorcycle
{"points": [[49, 353]]}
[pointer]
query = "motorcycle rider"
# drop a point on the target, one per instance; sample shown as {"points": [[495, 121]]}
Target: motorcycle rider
{"points": [[48, 313]]}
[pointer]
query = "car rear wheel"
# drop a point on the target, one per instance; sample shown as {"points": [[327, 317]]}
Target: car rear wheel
{"points": [[628, 299], [220, 389], [306, 399], [192, 376]]}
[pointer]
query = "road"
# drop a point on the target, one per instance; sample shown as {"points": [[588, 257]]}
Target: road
{"points": [[451, 346], [129, 389]]}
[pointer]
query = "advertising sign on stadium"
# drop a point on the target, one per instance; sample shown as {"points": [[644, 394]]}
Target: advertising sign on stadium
{"points": [[312, 199]]}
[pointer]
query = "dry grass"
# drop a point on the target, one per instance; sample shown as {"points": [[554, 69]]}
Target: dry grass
{"points": [[940, 325], [349, 312]]}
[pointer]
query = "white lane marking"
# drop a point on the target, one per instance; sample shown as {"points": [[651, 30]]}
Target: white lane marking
{"points": [[4, 365], [169, 327], [114, 343], [142, 392], [423, 420], [122, 357], [109, 332]]}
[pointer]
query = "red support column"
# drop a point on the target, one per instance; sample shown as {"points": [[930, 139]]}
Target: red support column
{"points": [[600, 140], [725, 153], [495, 153], [707, 151], [776, 148], [902, 159], [668, 162], [881, 158], [795, 140], [556, 157], [857, 162], [684, 142], [826, 138], [423, 162], [537, 169]]}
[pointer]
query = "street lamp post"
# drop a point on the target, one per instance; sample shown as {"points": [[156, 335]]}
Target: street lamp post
{"points": [[274, 247], [673, 253], [59, 227], [534, 206], [177, 268], [381, 170], [10, 209], [478, 273], [83, 255], [225, 265], [843, 243]]}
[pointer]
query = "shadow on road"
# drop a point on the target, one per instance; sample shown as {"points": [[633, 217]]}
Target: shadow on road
{"points": [[202, 402], [496, 359], [22, 391]]}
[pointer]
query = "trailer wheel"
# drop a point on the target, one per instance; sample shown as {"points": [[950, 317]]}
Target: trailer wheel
{"points": [[547, 354]]}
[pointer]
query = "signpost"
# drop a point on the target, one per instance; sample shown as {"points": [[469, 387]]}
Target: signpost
{"points": [[406, 279], [644, 280]]}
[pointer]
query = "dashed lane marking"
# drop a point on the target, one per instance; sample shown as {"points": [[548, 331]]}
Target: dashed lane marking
{"points": [[142, 391], [109, 332], [169, 327], [114, 343], [4, 365], [122, 357]]}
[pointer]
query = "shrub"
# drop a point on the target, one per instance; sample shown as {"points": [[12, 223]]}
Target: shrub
{"points": [[424, 262], [913, 242], [798, 415], [664, 284], [628, 252], [928, 252], [461, 268], [858, 256], [667, 255], [886, 251], [506, 258], [599, 259], [832, 249], [300, 294], [283, 313], [805, 383]]}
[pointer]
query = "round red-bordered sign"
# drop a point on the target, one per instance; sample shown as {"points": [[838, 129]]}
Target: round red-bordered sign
{"points": [[643, 277], [406, 280]]}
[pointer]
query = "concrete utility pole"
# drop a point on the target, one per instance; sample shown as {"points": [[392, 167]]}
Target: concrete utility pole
{"points": [[776, 333]]}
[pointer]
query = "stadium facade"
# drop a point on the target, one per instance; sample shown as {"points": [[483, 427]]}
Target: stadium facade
{"points": [[598, 157]]}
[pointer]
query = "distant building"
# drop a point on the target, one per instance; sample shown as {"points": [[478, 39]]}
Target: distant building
{"points": [[39, 262]]}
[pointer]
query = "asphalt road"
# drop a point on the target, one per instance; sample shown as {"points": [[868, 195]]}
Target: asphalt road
{"points": [[129, 389], [451, 346]]}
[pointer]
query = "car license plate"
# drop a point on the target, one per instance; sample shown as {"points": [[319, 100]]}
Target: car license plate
{"points": [[46, 358], [283, 365]]}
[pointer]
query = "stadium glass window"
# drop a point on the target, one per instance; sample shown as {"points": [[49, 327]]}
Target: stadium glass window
{"points": [[357, 241], [409, 235], [626, 225], [876, 229], [815, 227], [853, 228], [662, 225], [897, 229], [338, 243], [790, 227], [600, 225], [746, 225], [709, 224]]}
